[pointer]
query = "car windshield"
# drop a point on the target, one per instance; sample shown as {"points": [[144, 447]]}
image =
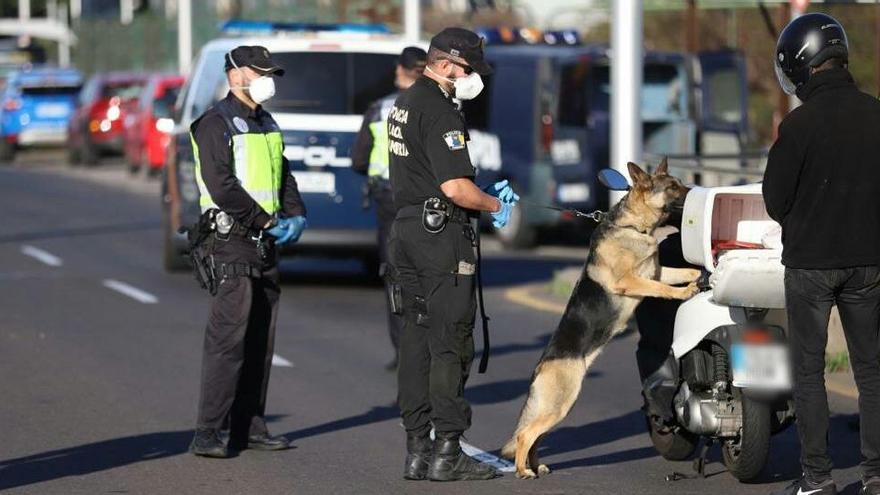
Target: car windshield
{"points": [[164, 105], [124, 90]]}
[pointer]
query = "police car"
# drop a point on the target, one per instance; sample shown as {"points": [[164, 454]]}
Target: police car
{"points": [[333, 73], [553, 141]]}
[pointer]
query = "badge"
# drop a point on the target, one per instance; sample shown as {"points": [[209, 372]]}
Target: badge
{"points": [[240, 124], [454, 140]]}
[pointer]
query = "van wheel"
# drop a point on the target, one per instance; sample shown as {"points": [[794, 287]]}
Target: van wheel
{"points": [[518, 233], [746, 455], [7, 151], [88, 155], [172, 259]]}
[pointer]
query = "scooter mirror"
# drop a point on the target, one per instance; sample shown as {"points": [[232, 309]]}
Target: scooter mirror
{"points": [[614, 180]]}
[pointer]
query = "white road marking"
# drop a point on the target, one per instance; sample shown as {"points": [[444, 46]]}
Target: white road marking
{"points": [[281, 362], [41, 255], [481, 455], [132, 292]]}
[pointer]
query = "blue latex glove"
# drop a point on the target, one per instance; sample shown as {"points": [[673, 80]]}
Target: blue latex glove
{"points": [[502, 216], [296, 226], [502, 191], [279, 230]]}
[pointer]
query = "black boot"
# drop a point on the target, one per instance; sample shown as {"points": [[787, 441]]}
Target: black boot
{"points": [[418, 456], [451, 464], [207, 443]]}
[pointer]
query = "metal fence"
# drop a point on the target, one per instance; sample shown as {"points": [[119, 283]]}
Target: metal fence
{"points": [[716, 169]]}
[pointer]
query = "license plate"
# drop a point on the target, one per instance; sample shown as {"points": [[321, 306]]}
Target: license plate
{"points": [[315, 182], [760, 366], [50, 111]]}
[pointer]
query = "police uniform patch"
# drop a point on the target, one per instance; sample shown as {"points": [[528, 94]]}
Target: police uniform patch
{"points": [[454, 140], [240, 124]]}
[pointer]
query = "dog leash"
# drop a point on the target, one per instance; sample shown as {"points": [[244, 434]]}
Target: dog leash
{"points": [[596, 216]]}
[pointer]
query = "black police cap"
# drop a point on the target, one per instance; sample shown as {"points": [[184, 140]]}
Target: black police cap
{"points": [[255, 57], [412, 57], [465, 44]]}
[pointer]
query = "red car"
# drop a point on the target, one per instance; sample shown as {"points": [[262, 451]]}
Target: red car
{"points": [[148, 126], [97, 124]]}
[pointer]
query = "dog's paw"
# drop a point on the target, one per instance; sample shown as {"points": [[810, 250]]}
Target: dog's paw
{"points": [[543, 470], [690, 291], [526, 474]]}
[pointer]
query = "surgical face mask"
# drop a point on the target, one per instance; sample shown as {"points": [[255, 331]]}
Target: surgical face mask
{"points": [[465, 88], [259, 89]]}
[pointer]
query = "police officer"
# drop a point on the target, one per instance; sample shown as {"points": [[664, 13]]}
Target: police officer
{"points": [[431, 254], [822, 184], [244, 180], [370, 156]]}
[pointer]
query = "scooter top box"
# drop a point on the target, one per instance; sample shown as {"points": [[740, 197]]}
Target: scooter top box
{"points": [[727, 231]]}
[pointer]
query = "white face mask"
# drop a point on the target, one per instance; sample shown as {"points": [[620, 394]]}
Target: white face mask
{"points": [[259, 89], [466, 88]]}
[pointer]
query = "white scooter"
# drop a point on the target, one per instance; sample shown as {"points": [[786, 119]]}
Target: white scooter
{"points": [[727, 379]]}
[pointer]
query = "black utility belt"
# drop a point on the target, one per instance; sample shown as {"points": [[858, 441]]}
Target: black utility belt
{"points": [[435, 214]]}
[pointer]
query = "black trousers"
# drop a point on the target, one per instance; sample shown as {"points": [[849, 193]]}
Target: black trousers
{"points": [[380, 192], [239, 343], [809, 295], [436, 272]]}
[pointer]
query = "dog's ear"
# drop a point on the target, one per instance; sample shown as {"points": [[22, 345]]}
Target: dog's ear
{"points": [[663, 168], [637, 175]]}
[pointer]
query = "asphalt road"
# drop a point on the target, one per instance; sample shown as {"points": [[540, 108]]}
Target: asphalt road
{"points": [[99, 387]]}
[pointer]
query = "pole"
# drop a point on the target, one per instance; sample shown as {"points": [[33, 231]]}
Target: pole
{"points": [[412, 20], [24, 15], [126, 11], [691, 42], [184, 35], [64, 45], [626, 84]]}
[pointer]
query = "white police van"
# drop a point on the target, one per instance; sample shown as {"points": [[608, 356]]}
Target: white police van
{"points": [[333, 73]]}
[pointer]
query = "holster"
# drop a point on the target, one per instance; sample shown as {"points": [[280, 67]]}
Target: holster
{"points": [[200, 250], [394, 291]]}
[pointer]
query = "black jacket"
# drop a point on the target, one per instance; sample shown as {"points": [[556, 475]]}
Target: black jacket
{"points": [[215, 155], [822, 182]]}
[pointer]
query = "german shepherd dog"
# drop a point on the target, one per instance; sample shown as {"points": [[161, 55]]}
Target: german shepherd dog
{"points": [[621, 269]]}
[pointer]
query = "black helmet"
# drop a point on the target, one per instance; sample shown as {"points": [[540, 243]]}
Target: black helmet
{"points": [[808, 41]]}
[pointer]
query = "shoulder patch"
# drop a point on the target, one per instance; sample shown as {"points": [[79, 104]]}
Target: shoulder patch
{"points": [[240, 124], [454, 140]]}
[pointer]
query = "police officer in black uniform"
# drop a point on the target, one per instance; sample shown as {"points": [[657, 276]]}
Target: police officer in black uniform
{"points": [[369, 156], [431, 253], [822, 184], [253, 204]]}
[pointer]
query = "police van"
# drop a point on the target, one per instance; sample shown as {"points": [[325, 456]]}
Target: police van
{"points": [[333, 73], [555, 138]]}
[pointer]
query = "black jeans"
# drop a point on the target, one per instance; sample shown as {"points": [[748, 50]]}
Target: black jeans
{"points": [[809, 296], [436, 272], [385, 211], [239, 343]]}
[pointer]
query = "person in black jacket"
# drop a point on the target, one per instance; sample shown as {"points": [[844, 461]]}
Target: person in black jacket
{"points": [[822, 184], [369, 156]]}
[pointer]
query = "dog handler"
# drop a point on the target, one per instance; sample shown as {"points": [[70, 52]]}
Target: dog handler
{"points": [[431, 253], [247, 188], [822, 184]]}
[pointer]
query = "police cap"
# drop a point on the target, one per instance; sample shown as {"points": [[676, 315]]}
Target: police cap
{"points": [[255, 57], [464, 44]]}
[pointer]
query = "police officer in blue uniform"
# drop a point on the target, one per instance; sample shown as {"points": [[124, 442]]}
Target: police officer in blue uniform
{"points": [[431, 254], [369, 156]]}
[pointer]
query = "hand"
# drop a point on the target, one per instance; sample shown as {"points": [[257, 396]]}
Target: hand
{"points": [[502, 216], [287, 229], [502, 191], [296, 227]]}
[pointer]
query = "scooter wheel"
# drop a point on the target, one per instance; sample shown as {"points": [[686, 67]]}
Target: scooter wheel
{"points": [[675, 444]]}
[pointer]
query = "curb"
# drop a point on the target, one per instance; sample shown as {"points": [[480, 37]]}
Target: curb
{"points": [[534, 296]]}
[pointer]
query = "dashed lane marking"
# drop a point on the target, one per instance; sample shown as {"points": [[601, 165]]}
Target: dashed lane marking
{"points": [[41, 255], [130, 291]]}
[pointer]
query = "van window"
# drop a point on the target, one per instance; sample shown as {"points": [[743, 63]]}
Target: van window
{"points": [[724, 96], [573, 106], [662, 87], [50, 90], [332, 83]]}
